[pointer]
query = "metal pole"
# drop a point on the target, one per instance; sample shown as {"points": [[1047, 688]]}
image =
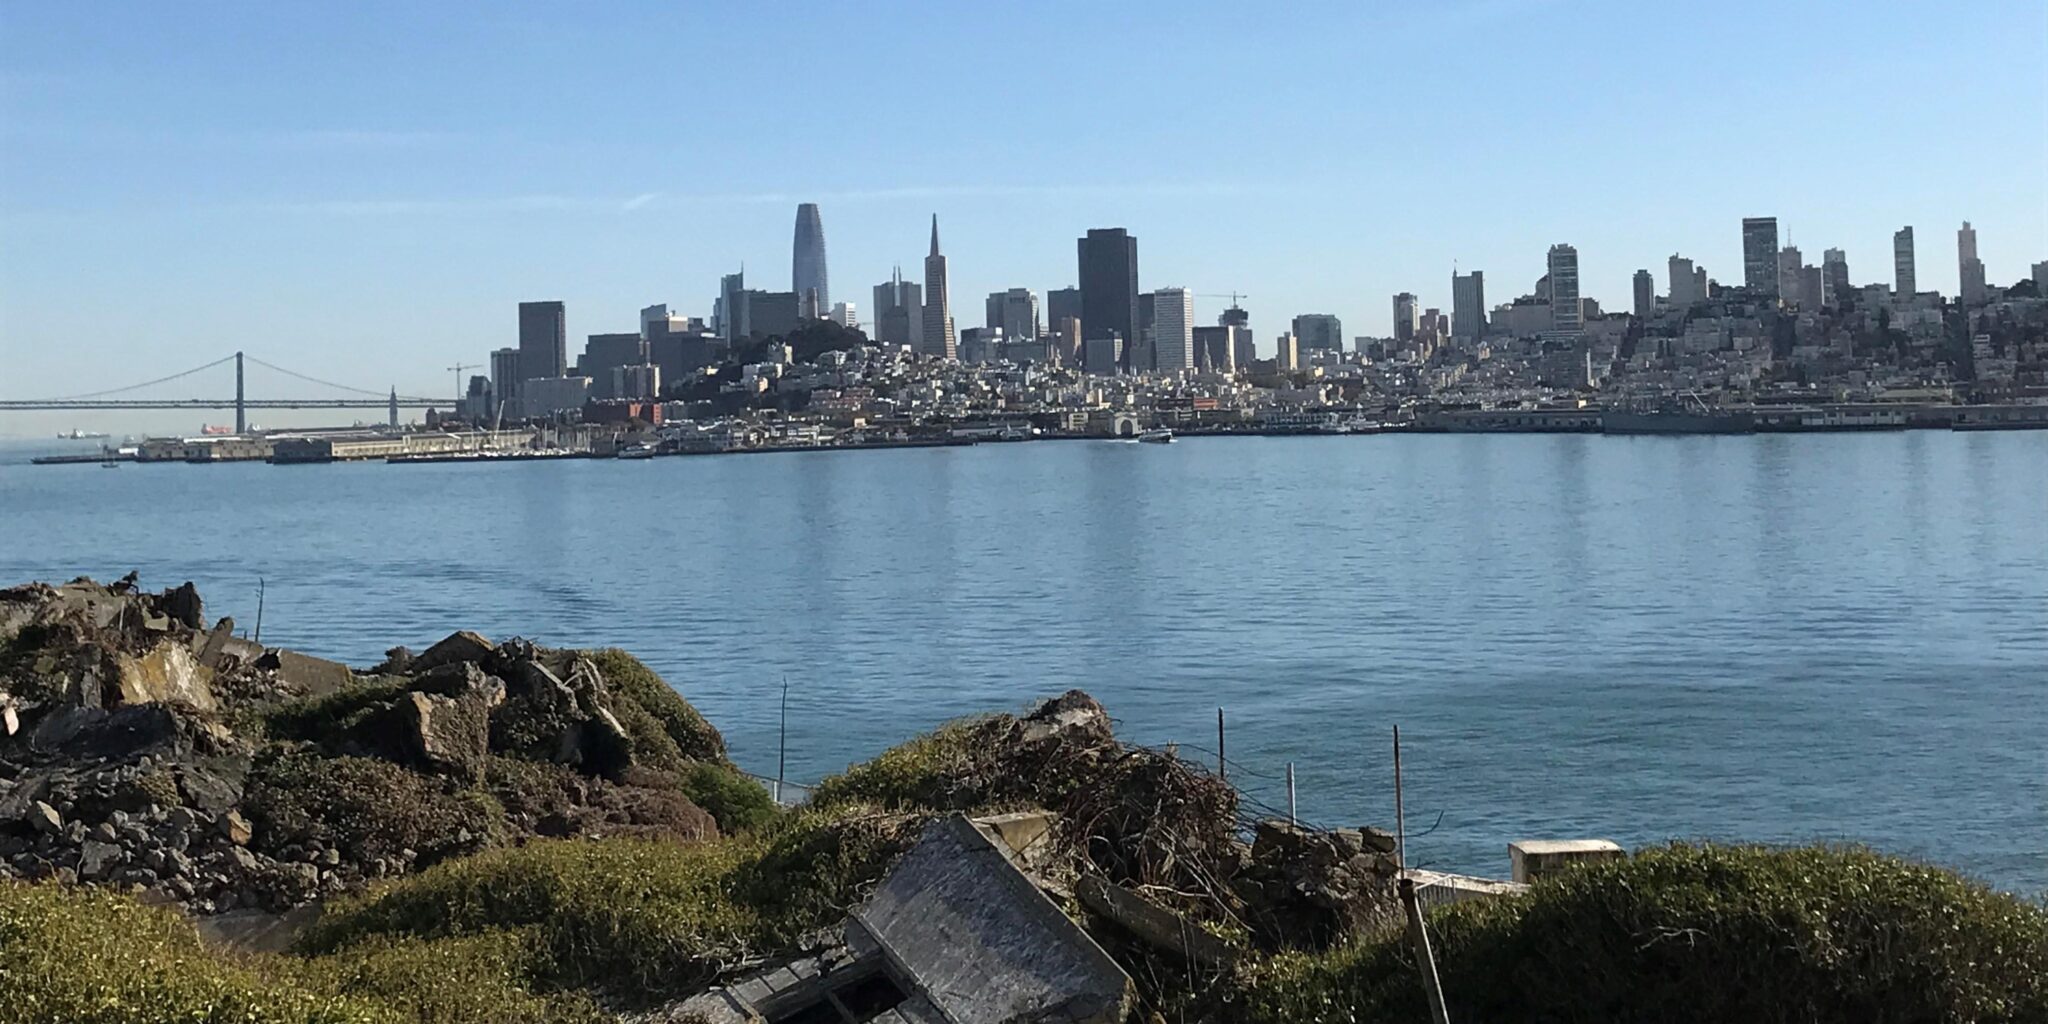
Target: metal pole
{"points": [[259, 609], [1291, 818], [1418, 935], [1222, 771], [782, 740], [1400, 817]]}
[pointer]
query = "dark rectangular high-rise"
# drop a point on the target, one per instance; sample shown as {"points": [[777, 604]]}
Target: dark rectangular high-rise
{"points": [[1760, 255], [543, 339], [1109, 285]]}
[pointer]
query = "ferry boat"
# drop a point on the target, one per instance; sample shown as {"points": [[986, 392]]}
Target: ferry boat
{"points": [[1157, 435], [637, 451], [82, 435]]}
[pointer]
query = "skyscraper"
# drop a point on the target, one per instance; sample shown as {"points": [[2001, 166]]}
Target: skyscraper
{"points": [[1904, 285], [1405, 313], [1173, 330], [1109, 286], [1790, 262], [543, 340], [807, 263], [1969, 269], [1468, 305], [938, 339], [505, 378], [731, 313], [1684, 288], [1760, 254], [1288, 355], [1646, 294], [1318, 332], [1062, 303], [1566, 314], [899, 312], [1015, 311], [1834, 276]]}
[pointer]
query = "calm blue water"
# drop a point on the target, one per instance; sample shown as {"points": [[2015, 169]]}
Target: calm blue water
{"points": [[1773, 638]]}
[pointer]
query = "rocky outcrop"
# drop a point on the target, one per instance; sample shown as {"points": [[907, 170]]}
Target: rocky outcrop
{"points": [[150, 752]]}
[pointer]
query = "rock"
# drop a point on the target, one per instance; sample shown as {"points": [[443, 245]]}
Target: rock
{"points": [[1073, 716], [304, 674], [241, 858], [446, 734], [330, 857], [96, 859], [168, 672], [459, 646], [305, 877], [176, 863], [180, 818], [45, 819], [183, 605], [1305, 888], [106, 833], [235, 828], [207, 790]]}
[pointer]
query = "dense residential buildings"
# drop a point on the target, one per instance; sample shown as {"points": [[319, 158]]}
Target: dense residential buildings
{"points": [[1566, 313], [1108, 268], [939, 339], [807, 263], [1903, 281], [1760, 255]]}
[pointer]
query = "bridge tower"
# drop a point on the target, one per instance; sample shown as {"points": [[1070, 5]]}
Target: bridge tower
{"points": [[241, 403], [394, 408]]}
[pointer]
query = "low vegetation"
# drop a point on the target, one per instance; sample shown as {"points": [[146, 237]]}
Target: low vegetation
{"points": [[1700, 933]]}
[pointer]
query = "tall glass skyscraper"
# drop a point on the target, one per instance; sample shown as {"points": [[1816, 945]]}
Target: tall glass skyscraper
{"points": [[807, 263], [1760, 254], [1109, 287]]}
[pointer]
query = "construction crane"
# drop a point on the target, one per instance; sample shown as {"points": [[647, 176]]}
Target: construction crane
{"points": [[1233, 296], [457, 371]]}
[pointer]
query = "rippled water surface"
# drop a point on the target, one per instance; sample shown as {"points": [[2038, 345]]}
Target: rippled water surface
{"points": [[1839, 637]]}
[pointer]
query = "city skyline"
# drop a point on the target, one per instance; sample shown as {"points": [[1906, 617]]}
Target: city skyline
{"points": [[355, 233]]}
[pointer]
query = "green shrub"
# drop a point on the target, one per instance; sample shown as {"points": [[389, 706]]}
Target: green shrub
{"points": [[644, 920], [1701, 933], [328, 719], [366, 807], [918, 774], [632, 681], [87, 956], [738, 803]]}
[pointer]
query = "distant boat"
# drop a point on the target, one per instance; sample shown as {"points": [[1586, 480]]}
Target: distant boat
{"points": [[210, 430], [637, 451], [82, 435], [1157, 435]]}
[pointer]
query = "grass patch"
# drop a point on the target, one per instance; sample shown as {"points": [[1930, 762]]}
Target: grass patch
{"points": [[926, 772], [643, 920], [1700, 933]]}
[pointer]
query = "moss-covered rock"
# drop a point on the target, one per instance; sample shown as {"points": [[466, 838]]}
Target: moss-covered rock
{"points": [[369, 809], [1700, 933], [632, 683]]}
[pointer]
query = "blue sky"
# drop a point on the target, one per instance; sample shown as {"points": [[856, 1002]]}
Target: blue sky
{"points": [[363, 191]]}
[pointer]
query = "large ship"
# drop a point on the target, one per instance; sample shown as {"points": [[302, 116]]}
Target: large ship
{"points": [[83, 435], [1688, 415]]}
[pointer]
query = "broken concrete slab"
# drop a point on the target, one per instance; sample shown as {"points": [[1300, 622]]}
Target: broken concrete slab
{"points": [[459, 646], [310, 676], [981, 940], [168, 672], [1438, 888], [1153, 924]]}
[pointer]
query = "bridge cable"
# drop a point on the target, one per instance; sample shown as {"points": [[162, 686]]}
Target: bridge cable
{"points": [[331, 384], [144, 384]]}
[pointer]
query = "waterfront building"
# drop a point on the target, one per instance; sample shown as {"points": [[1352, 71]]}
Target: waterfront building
{"points": [[1969, 269], [1319, 332], [1834, 277], [543, 339], [807, 262], [1405, 314], [1566, 313], [1108, 265], [938, 338], [1904, 284], [1468, 305], [1646, 294], [1760, 255]]}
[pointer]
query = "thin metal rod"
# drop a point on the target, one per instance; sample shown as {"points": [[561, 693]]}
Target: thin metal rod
{"points": [[782, 741], [1400, 813], [259, 609], [1292, 819], [1418, 934], [1222, 764]]}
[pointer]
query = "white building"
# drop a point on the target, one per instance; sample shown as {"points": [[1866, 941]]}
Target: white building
{"points": [[1173, 330]]}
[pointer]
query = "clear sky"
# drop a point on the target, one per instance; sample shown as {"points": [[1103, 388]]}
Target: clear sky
{"points": [[363, 191]]}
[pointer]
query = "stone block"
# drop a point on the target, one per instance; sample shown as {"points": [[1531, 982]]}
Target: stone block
{"points": [[1531, 859]]}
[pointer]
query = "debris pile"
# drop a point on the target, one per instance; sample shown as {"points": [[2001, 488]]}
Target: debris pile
{"points": [[141, 748]]}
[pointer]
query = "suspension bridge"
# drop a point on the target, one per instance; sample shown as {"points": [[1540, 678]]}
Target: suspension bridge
{"points": [[241, 403]]}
